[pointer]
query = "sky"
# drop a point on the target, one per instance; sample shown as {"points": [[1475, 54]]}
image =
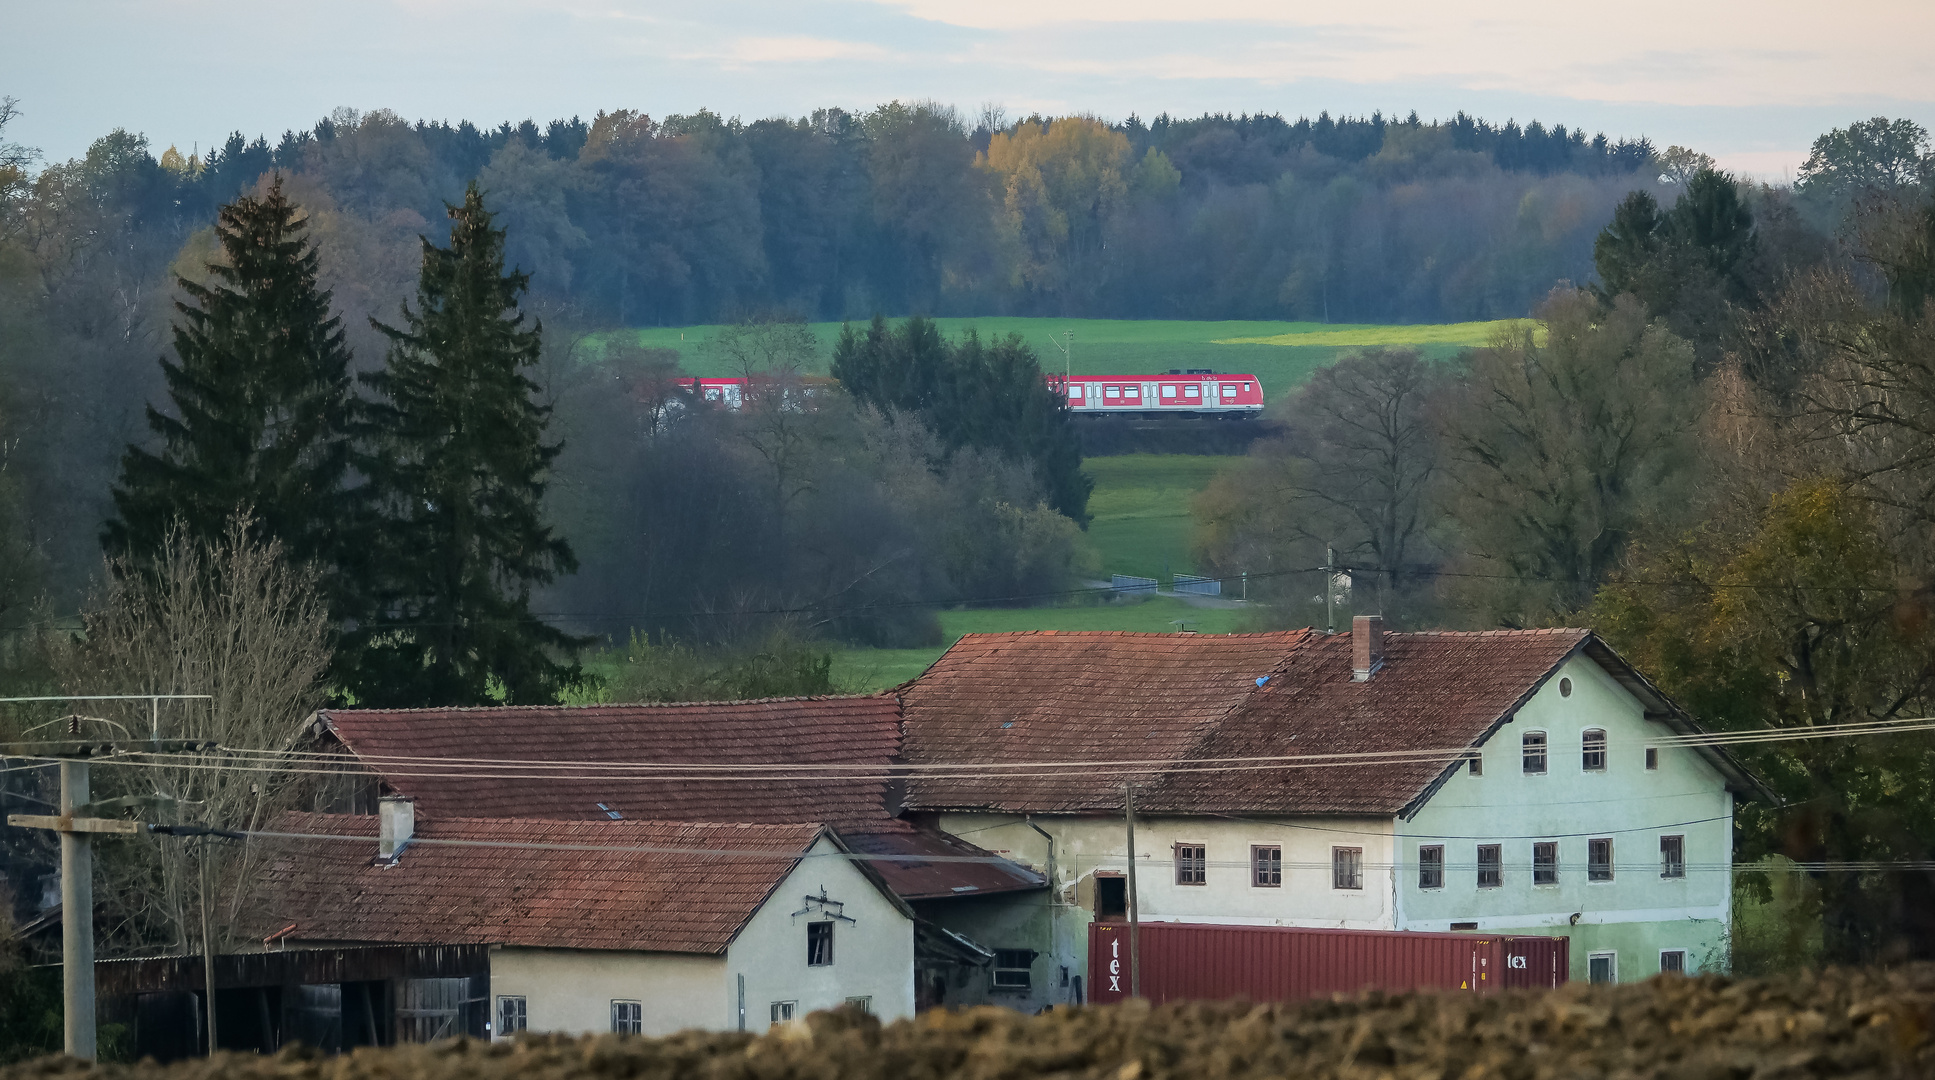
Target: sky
{"points": [[1750, 83]]}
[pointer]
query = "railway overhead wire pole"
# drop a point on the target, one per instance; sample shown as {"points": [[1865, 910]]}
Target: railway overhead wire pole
{"points": [[76, 824]]}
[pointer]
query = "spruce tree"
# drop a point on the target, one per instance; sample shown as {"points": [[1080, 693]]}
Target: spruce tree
{"points": [[262, 402], [457, 462]]}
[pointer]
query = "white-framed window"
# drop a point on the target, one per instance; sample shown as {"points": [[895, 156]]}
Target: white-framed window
{"points": [[1014, 969], [1545, 863], [1229, 390], [1192, 864], [1672, 856], [1673, 960], [511, 1015], [1431, 866], [1592, 750], [1111, 391], [1266, 866], [1347, 868], [1132, 392], [783, 1011], [628, 1017], [1599, 859], [1168, 390], [1491, 866], [1192, 391], [1602, 967], [819, 944], [1532, 745], [864, 1003]]}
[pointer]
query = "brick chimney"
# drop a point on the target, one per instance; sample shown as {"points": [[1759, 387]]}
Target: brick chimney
{"points": [[1366, 647], [396, 818]]}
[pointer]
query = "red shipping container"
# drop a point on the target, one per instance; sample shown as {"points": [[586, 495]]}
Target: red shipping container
{"points": [[1198, 962]]}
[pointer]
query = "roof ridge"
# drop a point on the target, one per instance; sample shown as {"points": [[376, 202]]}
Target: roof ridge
{"points": [[882, 696], [1130, 633]]}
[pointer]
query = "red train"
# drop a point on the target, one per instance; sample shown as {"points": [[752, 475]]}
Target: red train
{"points": [[1195, 391], [1189, 391]]}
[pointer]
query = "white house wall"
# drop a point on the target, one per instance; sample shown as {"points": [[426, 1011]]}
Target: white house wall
{"points": [[1570, 805], [571, 990], [1086, 846], [873, 955]]}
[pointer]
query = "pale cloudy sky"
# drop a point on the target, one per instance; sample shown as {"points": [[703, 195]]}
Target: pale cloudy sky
{"points": [[1751, 83]]}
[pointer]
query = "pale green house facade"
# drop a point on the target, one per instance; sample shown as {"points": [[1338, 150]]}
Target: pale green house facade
{"points": [[1587, 814], [1664, 810]]}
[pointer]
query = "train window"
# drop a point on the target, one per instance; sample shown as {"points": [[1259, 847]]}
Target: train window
{"points": [[1132, 392], [1074, 393], [1111, 391], [1168, 390], [1229, 389], [1193, 391]]}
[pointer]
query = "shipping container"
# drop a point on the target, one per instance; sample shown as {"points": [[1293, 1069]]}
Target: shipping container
{"points": [[1197, 962]]}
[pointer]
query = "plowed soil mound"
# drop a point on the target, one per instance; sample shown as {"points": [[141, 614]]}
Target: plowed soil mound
{"points": [[1839, 1024]]}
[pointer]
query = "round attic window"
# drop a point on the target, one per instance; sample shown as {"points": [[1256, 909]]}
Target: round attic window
{"points": [[1565, 687]]}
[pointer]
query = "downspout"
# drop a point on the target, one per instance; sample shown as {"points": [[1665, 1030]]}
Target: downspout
{"points": [[1054, 920]]}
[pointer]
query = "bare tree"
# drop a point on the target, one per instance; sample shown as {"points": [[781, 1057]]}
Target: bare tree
{"points": [[231, 618]]}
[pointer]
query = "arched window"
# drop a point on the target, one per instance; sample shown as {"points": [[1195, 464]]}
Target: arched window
{"points": [[1592, 750], [1533, 744]]}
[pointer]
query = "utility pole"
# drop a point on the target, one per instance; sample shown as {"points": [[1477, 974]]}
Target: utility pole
{"points": [[1135, 908], [208, 948], [75, 825], [1330, 590], [76, 913]]}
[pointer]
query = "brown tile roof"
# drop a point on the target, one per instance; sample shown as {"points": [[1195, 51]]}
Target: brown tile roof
{"points": [[830, 730], [1187, 700], [540, 897], [1435, 690], [1048, 696]]}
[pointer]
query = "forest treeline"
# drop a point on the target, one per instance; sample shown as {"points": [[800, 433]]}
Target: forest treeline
{"points": [[1729, 474], [903, 209]]}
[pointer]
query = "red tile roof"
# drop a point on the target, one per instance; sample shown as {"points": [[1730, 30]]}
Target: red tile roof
{"points": [[451, 894], [1443, 690], [1049, 696], [1186, 699], [830, 730]]}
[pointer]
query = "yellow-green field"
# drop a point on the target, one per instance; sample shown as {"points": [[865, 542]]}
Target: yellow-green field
{"points": [[1280, 354]]}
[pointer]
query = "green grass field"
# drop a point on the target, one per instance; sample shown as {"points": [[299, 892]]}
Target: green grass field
{"points": [[1280, 354], [1141, 514], [862, 670]]}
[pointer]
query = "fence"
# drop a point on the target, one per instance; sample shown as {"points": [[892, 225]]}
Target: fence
{"points": [[1200, 586], [1123, 583]]}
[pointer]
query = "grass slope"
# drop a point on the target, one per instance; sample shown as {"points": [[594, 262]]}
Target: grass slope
{"points": [[1141, 508], [862, 670], [1280, 354]]}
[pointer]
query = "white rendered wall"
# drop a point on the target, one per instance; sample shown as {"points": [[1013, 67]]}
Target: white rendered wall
{"points": [[873, 955], [571, 990]]}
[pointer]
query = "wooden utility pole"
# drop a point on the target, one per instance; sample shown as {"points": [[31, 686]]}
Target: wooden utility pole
{"points": [[1135, 909]]}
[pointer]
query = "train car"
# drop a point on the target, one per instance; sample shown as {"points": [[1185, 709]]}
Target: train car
{"points": [[730, 393], [1192, 391]]}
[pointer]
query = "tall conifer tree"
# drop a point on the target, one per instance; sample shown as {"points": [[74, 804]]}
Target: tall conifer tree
{"points": [[262, 402], [458, 461]]}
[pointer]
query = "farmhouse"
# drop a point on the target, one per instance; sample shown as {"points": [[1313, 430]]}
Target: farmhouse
{"points": [[1506, 782], [390, 928]]}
